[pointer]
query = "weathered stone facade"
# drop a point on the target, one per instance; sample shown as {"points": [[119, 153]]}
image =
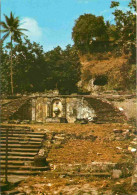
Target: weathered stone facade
{"points": [[60, 109]]}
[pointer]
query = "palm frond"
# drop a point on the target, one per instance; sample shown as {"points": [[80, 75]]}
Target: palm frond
{"points": [[7, 20], [4, 30], [5, 36], [12, 28], [4, 25], [16, 22], [23, 29], [11, 17]]}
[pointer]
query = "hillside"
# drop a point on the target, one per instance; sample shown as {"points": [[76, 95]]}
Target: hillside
{"points": [[106, 71]]}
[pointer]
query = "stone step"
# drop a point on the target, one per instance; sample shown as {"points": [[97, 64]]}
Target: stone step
{"points": [[9, 109], [20, 146], [18, 154], [12, 192], [32, 150], [23, 132], [25, 141], [11, 162], [21, 138], [21, 172], [105, 112], [18, 158], [16, 129], [31, 168], [37, 135]]}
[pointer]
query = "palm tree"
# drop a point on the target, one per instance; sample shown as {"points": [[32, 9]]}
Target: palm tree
{"points": [[11, 28]]}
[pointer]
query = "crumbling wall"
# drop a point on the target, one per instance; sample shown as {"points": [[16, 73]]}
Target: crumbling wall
{"points": [[71, 109], [77, 108], [24, 112]]}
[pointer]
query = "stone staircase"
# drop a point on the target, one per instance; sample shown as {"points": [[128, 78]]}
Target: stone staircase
{"points": [[23, 145], [106, 112], [8, 109]]}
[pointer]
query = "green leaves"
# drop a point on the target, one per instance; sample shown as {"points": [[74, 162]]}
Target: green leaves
{"points": [[63, 68], [114, 4], [126, 26], [35, 71], [11, 26], [88, 28]]}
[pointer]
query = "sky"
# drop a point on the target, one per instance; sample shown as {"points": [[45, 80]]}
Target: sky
{"points": [[50, 22]]}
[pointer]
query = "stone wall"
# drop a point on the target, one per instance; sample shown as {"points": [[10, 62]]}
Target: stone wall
{"points": [[69, 108], [24, 112], [77, 108]]}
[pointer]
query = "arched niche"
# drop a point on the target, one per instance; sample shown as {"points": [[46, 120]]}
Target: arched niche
{"points": [[56, 108]]}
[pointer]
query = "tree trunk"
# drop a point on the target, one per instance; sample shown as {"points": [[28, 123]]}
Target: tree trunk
{"points": [[11, 70]]}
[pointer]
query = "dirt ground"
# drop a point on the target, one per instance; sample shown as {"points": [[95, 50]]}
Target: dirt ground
{"points": [[44, 185], [83, 144]]}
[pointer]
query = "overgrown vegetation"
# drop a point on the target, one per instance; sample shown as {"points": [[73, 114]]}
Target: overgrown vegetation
{"points": [[108, 49], [36, 71], [109, 54]]}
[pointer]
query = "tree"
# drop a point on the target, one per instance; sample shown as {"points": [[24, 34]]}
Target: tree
{"points": [[29, 67], [88, 28], [4, 72], [11, 28], [126, 26], [112, 32], [36, 71], [63, 67]]}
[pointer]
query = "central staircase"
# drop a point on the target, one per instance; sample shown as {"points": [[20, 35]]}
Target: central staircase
{"points": [[23, 145]]}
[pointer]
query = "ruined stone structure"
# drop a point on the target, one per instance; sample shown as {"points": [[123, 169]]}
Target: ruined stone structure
{"points": [[52, 107], [60, 108]]}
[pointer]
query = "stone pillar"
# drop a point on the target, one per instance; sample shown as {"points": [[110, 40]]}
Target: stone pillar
{"points": [[33, 110], [64, 107], [49, 108], [44, 109]]}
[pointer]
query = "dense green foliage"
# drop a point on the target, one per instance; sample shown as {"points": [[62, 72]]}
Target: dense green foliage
{"points": [[63, 69], [36, 71], [126, 27], [88, 29], [90, 32]]}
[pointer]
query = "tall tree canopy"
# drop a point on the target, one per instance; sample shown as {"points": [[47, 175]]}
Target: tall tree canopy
{"points": [[36, 71], [89, 28], [63, 69], [126, 26], [11, 27]]}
